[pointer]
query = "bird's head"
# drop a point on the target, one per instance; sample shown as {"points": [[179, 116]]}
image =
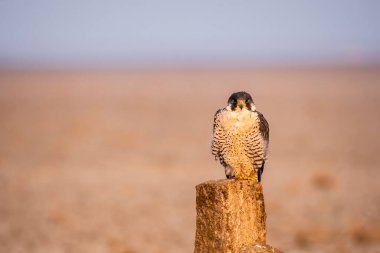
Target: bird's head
{"points": [[239, 101]]}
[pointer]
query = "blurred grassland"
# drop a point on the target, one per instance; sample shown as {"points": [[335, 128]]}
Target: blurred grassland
{"points": [[107, 161]]}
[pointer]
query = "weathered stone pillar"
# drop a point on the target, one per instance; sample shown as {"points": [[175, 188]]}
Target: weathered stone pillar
{"points": [[230, 216]]}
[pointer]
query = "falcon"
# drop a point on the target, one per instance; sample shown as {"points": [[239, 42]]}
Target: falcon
{"points": [[240, 138]]}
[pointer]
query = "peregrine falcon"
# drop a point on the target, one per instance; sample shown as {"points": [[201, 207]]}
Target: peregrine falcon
{"points": [[240, 138]]}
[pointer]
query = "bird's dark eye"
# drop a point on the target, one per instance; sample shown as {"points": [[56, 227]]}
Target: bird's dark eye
{"points": [[248, 101]]}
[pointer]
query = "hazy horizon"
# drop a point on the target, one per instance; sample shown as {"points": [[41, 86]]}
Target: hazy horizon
{"points": [[169, 33]]}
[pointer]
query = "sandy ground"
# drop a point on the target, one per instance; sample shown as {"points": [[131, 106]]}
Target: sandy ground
{"points": [[108, 161]]}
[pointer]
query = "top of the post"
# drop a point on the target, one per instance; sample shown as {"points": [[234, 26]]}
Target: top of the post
{"points": [[230, 182]]}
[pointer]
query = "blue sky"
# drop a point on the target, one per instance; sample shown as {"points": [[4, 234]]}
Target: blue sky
{"points": [[189, 32]]}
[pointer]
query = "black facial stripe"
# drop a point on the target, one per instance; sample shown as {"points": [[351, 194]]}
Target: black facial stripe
{"points": [[233, 105]]}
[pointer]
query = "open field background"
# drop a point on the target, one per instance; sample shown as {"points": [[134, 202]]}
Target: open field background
{"points": [[107, 161]]}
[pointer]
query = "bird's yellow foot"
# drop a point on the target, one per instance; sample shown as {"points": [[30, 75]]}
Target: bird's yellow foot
{"points": [[254, 179]]}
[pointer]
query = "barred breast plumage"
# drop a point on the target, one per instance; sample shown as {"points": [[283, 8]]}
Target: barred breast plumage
{"points": [[240, 141]]}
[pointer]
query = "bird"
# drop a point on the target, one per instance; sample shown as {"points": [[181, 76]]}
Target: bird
{"points": [[240, 138]]}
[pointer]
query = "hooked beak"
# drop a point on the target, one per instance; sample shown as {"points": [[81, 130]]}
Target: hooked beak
{"points": [[241, 106]]}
